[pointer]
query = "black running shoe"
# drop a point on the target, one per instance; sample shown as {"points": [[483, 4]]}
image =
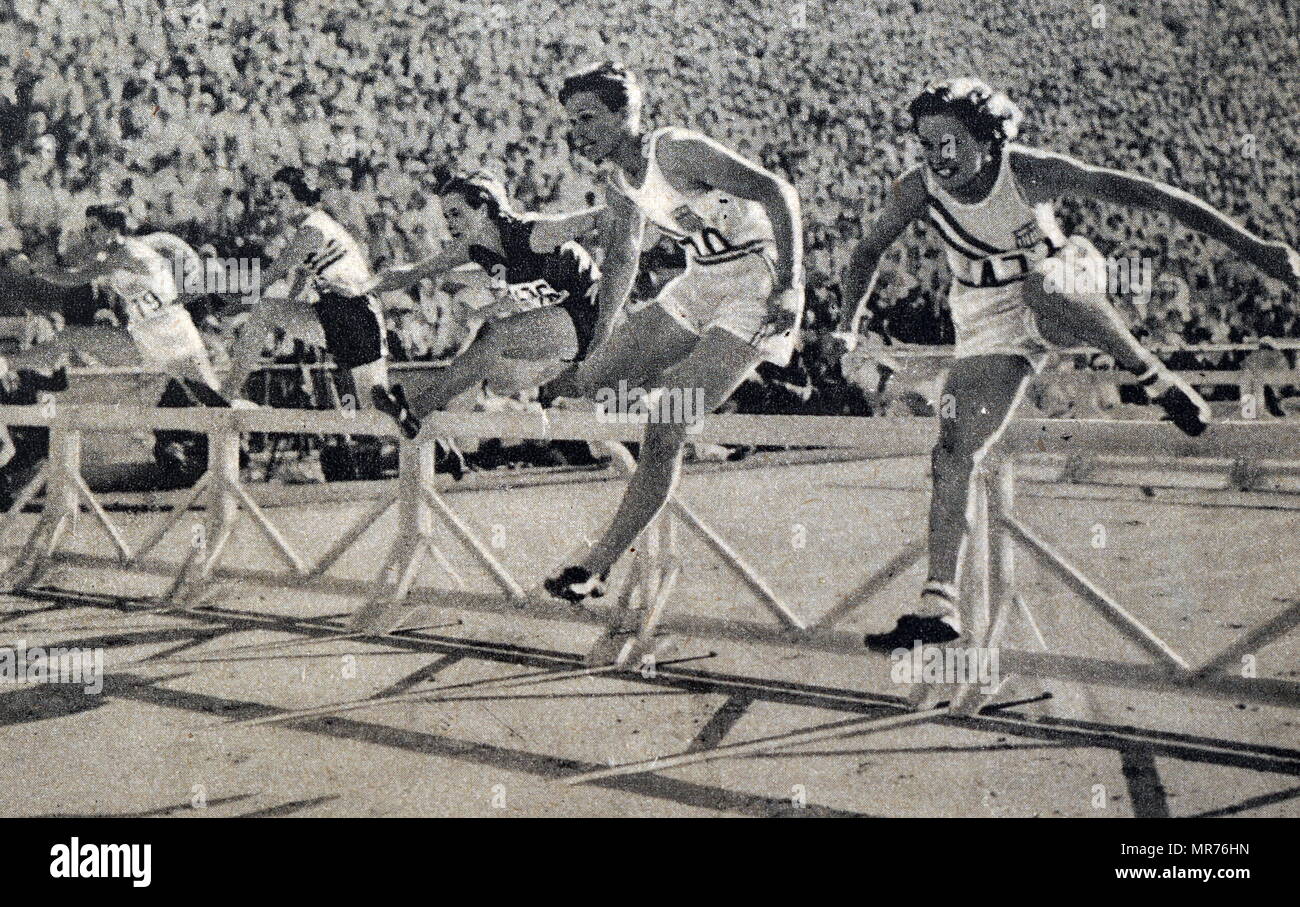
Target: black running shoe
{"points": [[1182, 405], [449, 460], [910, 630], [574, 584], [392, 403], [547, 394]]}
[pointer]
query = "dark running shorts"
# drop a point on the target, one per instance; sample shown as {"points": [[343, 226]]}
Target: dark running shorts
{"points": [[354, 332], [583, 315]]}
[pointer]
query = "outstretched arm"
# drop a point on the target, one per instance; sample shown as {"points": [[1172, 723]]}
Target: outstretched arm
{"points": [[7, 446], [175, 249], [298, 285], [92, 267], [623, 230], [300, 246], [1048, 175], [399, 277], [905, 204]]}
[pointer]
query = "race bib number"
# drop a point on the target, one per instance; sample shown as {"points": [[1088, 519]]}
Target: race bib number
{"points": [[144, 306], [528, 294]]}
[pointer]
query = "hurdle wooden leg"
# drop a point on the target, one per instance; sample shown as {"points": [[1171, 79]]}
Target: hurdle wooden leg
{"points": [[114, 534], [446, 565], [1128, 625], [1001, 550], [152, 540], [1007, 612], [349, 538], [974, 602], [739, 566], [623, 462], [660, 578], [25, 496], [1253, 641], [414, 539], [632, 637], [613, 646], [14, 573], [62, 504], [472, 542], [272, 534], [33, 562], [895, 567], [209, 539]]}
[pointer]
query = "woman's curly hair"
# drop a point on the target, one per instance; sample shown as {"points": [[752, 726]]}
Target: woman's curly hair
{"points": [[990, 115]]}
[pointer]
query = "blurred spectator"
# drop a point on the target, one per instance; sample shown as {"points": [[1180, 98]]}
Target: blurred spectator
{"points": [[180, 111]]}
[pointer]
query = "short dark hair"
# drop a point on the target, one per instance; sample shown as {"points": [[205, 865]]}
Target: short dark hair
{"points": [[615, 85], [478, 189], [296, 180], [111, 216], [990, 115]]}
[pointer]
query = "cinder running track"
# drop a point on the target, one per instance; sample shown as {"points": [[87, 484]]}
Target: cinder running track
{"points": [[155, 743]]}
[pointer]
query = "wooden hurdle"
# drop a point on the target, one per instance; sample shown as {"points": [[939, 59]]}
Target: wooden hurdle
{"points": [[994, 608]]}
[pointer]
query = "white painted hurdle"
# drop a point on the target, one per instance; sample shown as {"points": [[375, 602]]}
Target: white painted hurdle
{"points": [[643, 611]]}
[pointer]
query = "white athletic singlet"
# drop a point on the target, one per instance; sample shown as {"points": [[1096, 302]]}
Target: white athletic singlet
{"points": [[993, 242], [729, 257], [338, 264], [162, 329], [144, 295], [713, 227], [993, 247]]}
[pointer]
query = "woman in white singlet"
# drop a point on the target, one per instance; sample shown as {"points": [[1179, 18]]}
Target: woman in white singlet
{"points": [[737, 304], [346, 318], [143, 283], [1020, 287]]}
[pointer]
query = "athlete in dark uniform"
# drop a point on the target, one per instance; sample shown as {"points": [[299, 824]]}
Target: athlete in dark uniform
{"points": [[546, 283]]}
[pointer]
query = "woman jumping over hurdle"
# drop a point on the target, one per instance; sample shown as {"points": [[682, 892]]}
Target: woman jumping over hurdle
{"points": [[345, 317], [534, 261], [143, 281], [737, 304], [1020, 287]]}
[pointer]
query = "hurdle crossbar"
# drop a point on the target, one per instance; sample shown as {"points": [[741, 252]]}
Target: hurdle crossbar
{"points": [[396, 590]]}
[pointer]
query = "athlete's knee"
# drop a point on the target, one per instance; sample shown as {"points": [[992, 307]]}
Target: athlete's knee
{"points": [[490, 337], [487, 346]]}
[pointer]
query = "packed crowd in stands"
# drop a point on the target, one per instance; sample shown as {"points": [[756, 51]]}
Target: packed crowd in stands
{"points": [[181, 111]]}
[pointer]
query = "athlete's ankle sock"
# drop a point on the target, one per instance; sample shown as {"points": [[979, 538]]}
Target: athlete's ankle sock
{"points": [[1155, 380], [939, 599]]}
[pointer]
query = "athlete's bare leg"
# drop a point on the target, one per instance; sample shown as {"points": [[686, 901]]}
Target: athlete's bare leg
{"points": [[1065, 318], [296, 319], [538, 335], [979, 396], [712, 370], [643, 347]]}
